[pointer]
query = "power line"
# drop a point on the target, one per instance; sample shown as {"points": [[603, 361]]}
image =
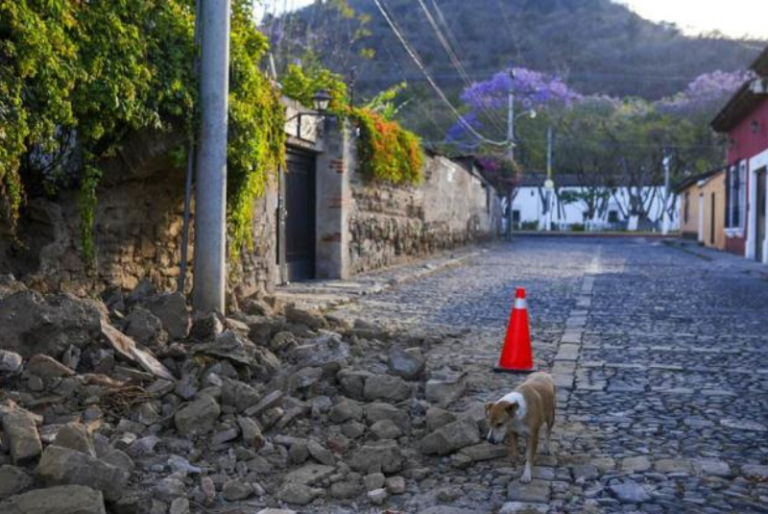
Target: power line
{"points": [[414, 56], [456, 62]]}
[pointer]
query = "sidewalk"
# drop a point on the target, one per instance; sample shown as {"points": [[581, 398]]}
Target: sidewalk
{"points": [[719, 259], [325, 294]]}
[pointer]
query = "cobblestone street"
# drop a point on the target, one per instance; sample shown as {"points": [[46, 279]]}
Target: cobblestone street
{"points": [[661, 360]]}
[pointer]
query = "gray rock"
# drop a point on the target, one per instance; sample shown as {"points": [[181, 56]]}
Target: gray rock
{"points": [[438, 418], [408, 364], [327, 351], [538, 491], [450, 438], [277, 511], [310, 474], [171, 309], [10, 362], [298, 453], [444, 391], [63, 466], [170, 488], [385, 429], [206, 327], [380, 456], [20, 429], [377, 496], [312, 319], [75, 437], [305, 378], [144, 327], [198, 416], [251, 432], [478, 453], [235, 490], [353, 383], [386, 387], [755, 471], [179, 506], [346, 410], [636, 464], [118, 459], [234, 347], [583, 472], [377, 411], [630, 492], [298, 494], [13, 480], [374, 481], [346, 490], [320, 453], [524, 508], [395, 485], [713, 467], [47, 367], [67, 499], [32, 323]]}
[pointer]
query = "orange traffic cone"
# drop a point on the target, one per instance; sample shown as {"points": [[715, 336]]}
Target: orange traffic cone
{"points": [[516, 356]]}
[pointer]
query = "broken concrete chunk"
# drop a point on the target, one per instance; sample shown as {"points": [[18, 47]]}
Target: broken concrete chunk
{"points": [[383, 456], [386, 387], [447, 389], [63, 466], [10, 362], [408, 364], [75, 437], [198, 416], [450, 438], [20, 428], [13, 480], [66, 499], [171, 309]]}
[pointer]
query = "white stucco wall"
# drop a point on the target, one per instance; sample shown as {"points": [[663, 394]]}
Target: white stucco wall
{"points": [[529, 202]]}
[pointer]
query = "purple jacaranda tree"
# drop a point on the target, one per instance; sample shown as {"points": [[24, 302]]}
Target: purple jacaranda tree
{"points": [[705, 94], [487, 101]]}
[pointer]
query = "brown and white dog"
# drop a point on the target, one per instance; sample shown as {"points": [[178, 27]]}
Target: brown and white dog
{"points": [[523, 412]]}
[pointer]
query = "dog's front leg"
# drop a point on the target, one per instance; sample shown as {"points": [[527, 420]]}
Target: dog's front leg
{"points": [[530, 454], [513, 446]]}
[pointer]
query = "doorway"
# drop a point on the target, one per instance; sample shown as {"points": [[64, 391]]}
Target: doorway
{"points": [[760, 225], [299, 214]]}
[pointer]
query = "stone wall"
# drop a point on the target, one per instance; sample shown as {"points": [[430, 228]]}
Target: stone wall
{"points": [[391, 225], [138, 231]]}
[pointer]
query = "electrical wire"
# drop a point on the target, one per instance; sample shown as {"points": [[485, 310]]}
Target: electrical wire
{"points": [[414, 56], [456, 62]]}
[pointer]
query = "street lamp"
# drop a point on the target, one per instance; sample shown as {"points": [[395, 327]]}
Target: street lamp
{"points": [[320, 101]]}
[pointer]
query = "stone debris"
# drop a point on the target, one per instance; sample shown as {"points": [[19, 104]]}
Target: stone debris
{"points": [[138, 409]]}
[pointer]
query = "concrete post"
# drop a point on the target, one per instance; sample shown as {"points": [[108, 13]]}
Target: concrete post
{"points": [[211, 191]]}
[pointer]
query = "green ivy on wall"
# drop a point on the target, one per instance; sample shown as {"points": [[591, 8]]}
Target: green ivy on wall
{"points": [[99, 70]]}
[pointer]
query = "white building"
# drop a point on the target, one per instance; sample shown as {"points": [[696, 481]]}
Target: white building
{"points": [[610, 206]]}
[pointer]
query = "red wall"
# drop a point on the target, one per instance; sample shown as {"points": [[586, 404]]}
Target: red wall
{"points": [[746, 145]]}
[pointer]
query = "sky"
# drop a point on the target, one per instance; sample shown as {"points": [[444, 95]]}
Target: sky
{"points": [[734, 18]]}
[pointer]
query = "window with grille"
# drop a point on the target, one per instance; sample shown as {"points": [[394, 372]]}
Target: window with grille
{"points": [[737, 195]]}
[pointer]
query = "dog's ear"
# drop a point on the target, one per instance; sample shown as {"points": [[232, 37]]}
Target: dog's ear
{"points": [[488, 407], [511, 409]]}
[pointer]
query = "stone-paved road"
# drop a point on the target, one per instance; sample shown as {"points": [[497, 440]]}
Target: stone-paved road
{"points": [[662, 363]]}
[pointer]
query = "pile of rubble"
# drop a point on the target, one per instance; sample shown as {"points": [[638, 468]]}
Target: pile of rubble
{"points": [[131, 405]]}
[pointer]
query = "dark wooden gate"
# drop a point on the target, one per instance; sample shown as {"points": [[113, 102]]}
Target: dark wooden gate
{"points": [[300, 217], [761, 222]]}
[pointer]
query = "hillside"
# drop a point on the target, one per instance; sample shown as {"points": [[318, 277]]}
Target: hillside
{"points": [[596, 45]]}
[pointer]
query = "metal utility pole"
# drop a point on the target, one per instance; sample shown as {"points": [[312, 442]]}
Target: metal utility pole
{"points": [[211, 192], [511, 140], [665, 216]]}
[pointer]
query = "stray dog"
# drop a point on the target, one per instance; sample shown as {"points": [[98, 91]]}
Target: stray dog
{"points": [[523, 412]]}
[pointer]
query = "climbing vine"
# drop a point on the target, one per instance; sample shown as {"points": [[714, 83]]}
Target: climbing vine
{"points": [[77, 77], [386, 151]]}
